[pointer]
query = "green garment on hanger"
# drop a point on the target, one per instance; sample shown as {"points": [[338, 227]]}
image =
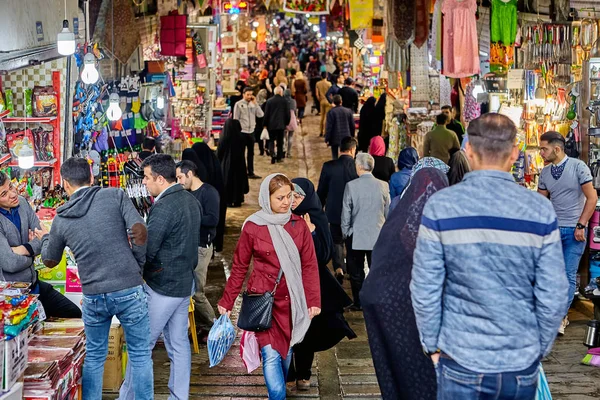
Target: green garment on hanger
{"points": [[504, 21]]}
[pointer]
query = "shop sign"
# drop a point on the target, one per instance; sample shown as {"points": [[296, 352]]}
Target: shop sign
{"points": [[361, 14], [313, 7], [39, 31]]}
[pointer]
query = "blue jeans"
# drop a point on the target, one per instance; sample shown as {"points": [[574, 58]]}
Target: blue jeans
{"points": [[572, 251], [168, 315], [456, 382], [131, 308], [275, 370]]}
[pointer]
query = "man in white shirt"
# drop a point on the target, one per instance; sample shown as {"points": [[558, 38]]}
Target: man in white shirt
{"points": [[246, 111]]}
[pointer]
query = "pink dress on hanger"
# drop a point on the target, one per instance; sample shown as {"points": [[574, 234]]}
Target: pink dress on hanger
{"points": [[461, 48]]}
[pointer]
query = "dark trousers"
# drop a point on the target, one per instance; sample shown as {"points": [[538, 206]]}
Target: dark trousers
{"points": [[276, 136], [313, 90], [301, 112], [356, 268], [261, 143], [249, 142], [55, 304], [303, 360], [338, 247], [335, 151]]}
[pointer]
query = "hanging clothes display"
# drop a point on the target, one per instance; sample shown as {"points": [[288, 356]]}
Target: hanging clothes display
{"points": [[397, 58], [504, 21], [402, 14], [472, 108], [422, 22], [461, 48], [436, 36]]}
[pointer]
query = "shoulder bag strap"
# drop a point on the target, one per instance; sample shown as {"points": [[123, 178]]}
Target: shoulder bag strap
{"points": [[277, 281]]}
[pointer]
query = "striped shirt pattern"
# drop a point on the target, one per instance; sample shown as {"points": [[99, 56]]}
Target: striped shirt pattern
{"points": [[489, 286]]}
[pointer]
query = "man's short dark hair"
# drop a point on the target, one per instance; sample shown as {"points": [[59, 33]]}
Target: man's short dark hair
{"points": [[324, 75], [447, 107], [554, 139], [3, 178], [348, 143], [248, 89], [162, 165], [293, 71], [348, 81], [492, 136], [76, 171], [337, 100], [442, 119], [149, 143], [186, 166]]}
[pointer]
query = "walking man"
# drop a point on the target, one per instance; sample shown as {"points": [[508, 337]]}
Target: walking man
{"points": [[208, 197], [112, 217], [277, 117], [246, 111], [349, 95], [454, 125], [488, 283], [322, 88], [365, 208], [568, 183], [441, 142], [171, 257], [335, 174], [340, 124]]}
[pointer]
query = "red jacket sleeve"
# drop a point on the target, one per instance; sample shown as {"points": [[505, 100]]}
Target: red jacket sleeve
{"points": [[241, 263], [310, 269]]}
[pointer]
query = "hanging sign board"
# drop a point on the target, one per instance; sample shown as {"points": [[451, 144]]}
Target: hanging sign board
{"points": [[516, 79], [361, 14], [313, 7]]}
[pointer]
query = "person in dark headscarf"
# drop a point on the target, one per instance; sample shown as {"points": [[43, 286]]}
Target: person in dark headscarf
{"points": [[406, 160], [239, 86], [384, 166], [215, 178], [403, 371], [231, 154], [365, 125], [190, 155], [379, 116], [330, 327], [459, 166]]}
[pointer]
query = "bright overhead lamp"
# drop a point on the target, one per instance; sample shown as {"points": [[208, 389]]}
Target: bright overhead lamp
{"points": [[65, 40], [341, 41], [253, 34], [256, 24], [90, 74], [114, 112]]}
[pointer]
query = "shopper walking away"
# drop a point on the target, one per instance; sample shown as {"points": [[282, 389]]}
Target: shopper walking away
{"points": [[366, 125], [385, 297], [208, 197], [148, 147], [105, 294], [240, 86], [399, 180], [335, 175], [247, 111], [365, 208], [330, 327], [454, 125], [440, 142], [211, 163], [18, 249], [313, 71], [338, 83], [340, 124], [261, 100], [384, 166], [349, 95], [300, 94], [379, 115], [277, 241], [322, 88], [292, 126], [459, 167], [171, 256], [488, 285], [231, 155], [281, 79], [277, 117], [568, 183]]}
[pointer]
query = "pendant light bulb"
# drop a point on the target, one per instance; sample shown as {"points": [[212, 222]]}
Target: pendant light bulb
{"points": [[256, 24], [90, 74], [114, 112], [315, 28], [341, 41], [26, 158], [65, 40], [160, 102], [253, 34]]}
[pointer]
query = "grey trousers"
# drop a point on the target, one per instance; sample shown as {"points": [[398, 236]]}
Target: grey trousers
{"points": [[205, 314]]}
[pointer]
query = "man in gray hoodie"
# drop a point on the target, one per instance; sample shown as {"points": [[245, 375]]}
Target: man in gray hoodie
{"points": [[108, 238]]}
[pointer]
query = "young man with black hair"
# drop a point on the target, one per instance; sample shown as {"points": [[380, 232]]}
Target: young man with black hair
{"points": [[246, 111], [148, 147], [568, 183], [111, 273], [208, 197], [349, 95], [340, 124], [171, 257], [441, 142], [454, 125]]}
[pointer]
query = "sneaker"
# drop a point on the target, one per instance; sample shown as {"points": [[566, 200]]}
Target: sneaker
{"points": [[303, 385], [563, 325]]}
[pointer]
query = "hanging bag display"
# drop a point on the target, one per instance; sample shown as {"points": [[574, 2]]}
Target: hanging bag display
{"points": [[200, 55], [173, 34], [256, 314]]}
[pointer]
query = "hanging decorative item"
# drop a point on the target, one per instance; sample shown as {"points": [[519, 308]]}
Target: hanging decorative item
{"points": [[361, 14], [422, 23], [313, 7]]}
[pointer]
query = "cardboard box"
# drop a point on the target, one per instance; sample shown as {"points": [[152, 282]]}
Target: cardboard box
{"points": [[15, 359], [113, 368]]}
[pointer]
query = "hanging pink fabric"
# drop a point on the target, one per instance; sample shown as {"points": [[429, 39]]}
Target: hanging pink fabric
{"points": [[461, 48], [173, 33], [250, 351]]}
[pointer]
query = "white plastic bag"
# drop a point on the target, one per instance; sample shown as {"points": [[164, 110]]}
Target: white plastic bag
{"points": [[265, 134], [220, 339]]}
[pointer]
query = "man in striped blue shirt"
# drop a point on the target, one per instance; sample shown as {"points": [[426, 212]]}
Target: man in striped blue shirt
{"points": [[488, 283]]}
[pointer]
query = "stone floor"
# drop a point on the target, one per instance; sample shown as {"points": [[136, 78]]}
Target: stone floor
{"points": [[347, 370]]}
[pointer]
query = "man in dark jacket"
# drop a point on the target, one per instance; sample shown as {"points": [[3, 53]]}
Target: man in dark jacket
{"points": [[349, 95], [277, 117], [332, 183], [18, 248], [454, 125], [107, 214], [171, 257], [340, 124]]}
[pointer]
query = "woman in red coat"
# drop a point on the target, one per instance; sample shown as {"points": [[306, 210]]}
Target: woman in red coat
{"points": [[276, 240], [300, 94]]}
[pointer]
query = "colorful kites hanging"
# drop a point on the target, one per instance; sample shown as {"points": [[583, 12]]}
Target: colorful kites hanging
{"points": [[313, 7]]}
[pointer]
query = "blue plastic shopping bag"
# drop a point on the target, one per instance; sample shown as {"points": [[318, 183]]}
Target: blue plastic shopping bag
{"points": [[543, 390], [220, 339]]}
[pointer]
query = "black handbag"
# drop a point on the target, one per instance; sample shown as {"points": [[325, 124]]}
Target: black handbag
{"points": [[257, 309]]}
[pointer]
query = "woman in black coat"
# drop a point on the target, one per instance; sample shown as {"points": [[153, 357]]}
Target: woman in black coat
{"points": [[233, 163], [330, 327], [366, 125]]}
